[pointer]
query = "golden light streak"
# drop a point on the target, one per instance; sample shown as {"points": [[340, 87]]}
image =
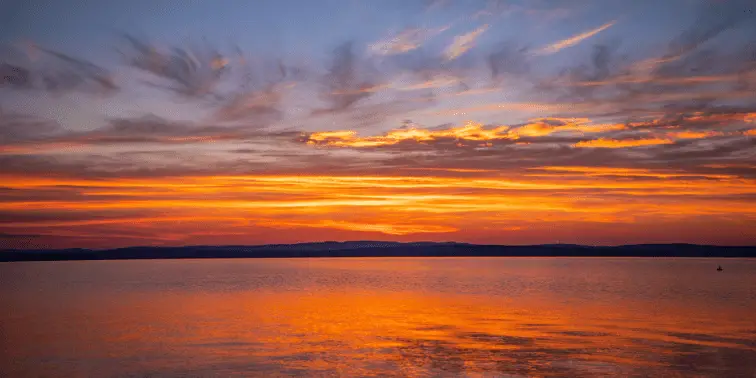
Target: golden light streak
{"points": [[574, 40], [174, 209], [389, 229], [316, 184], [694, 134], [346, 191], [629, 172]]}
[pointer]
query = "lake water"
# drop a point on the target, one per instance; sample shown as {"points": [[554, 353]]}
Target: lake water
{"points": [[382, 317]]}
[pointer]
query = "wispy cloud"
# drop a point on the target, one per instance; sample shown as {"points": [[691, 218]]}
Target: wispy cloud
{"points": [[406, 41], [52, 71], [463, 42], [572, 41], [190, 72], [345, 84], [713, 18], [29, 135]]}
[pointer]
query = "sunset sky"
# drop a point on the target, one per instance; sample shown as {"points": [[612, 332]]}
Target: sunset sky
{"points": [[499, 122]]}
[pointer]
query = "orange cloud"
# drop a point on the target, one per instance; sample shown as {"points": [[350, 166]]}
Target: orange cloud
{"points": [[693, 134], [614, 143], [470, 131], [541, 127]]}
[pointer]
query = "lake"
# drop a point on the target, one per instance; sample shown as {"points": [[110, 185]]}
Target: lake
{"points": [[381, 317]]}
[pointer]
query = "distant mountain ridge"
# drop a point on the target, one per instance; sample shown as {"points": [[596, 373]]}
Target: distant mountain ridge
{"points": [[357, 244], [379, 249]]}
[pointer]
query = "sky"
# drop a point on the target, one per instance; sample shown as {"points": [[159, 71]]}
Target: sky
{"points": [[597, 122]]}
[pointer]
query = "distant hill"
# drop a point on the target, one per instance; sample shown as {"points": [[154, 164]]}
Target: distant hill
{"points": [[378, 249]]}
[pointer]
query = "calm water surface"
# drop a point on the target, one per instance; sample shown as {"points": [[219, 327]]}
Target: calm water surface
{"points": [[383, 317]]}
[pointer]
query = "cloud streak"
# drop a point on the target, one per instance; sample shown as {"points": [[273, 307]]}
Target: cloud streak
{"points": [[52, 71], [188, 72], [462, 43], [572, 41], [406, 41]]}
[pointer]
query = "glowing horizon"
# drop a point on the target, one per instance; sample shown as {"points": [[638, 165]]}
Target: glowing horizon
{"points": [[485, 128]]}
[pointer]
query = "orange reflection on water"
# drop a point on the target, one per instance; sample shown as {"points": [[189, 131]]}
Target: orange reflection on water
{"points": [[386, 317]]}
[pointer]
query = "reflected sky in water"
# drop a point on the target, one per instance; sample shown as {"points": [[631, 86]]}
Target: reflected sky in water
{"points": [[414, 317]]}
